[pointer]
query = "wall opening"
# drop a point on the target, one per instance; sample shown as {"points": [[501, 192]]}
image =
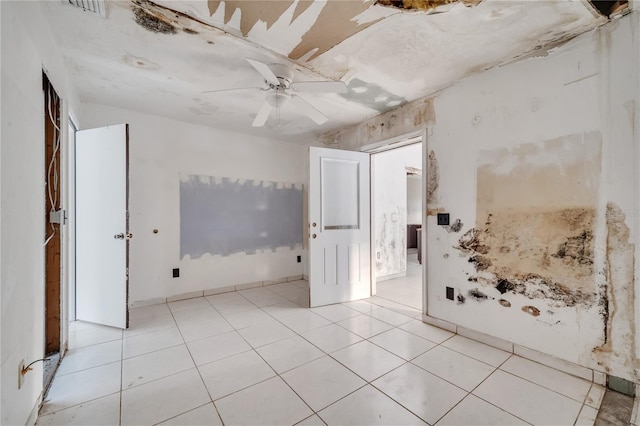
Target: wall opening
{"points": [[54, 219], [611, 8]]}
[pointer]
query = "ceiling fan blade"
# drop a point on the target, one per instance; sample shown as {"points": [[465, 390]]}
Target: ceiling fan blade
{"points": [[262, 115], [265, 71], [319, 86], [233, 89], [309, 110]]}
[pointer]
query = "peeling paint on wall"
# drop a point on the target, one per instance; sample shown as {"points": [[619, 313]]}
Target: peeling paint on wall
{"points": [[536, 207], [223, 216]]}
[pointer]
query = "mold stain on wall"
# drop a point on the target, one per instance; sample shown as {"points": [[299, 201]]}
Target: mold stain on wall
{"points": [[152, 21], [617, 305], [536, 214], [224, 216], [433, 182], [164, 20], [391, 243]]}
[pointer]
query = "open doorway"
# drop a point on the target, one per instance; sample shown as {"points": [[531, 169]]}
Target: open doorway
{"points": [[396, 212]]}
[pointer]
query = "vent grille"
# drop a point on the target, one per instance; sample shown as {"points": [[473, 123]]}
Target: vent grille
{"points": [[95, 6]]}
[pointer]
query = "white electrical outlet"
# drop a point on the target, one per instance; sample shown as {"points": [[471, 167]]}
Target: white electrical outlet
{"points": [[20, 373]]}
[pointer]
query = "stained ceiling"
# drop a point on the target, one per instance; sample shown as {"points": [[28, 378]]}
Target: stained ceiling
{"points": [[159, 57]]}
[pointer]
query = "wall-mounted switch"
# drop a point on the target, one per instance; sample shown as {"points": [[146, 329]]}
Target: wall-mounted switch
{"points": [[299, 259], [176, 272], [443, 219], [450, 293]]}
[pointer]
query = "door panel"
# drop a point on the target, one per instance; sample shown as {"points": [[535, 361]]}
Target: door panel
{"points": [[339, 237], [102, 245]]}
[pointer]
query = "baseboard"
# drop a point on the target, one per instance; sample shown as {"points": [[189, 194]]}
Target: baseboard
{"points": [[220, 290], [247, 286], [212, 291], [148, 302], [294, 278], [185, 296], [568, 367]]}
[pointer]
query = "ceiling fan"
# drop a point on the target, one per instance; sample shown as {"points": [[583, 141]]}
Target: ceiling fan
{"points": [[281, 90]]}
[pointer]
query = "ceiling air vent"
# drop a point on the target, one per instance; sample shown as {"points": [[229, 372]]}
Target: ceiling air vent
{"points": [[95, 6]]}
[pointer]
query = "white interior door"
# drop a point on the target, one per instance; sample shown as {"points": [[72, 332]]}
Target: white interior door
{"points": [[339, 226], [102, 237]]}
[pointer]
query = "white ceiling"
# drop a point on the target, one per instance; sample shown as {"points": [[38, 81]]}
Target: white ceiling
{"points": [[396, 55]]}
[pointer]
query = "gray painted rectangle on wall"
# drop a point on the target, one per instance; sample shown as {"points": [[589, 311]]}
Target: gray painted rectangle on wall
{"points": [[224, 216]]}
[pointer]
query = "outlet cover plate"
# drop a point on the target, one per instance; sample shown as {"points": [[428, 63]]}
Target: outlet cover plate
{"points": [[443, 219]]}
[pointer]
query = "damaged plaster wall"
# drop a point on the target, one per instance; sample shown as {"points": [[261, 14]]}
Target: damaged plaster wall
{"points": [[538, 163], [161, 151], [389, 188]]}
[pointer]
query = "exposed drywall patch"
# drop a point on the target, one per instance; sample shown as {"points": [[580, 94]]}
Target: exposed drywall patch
{"points": [[301, 7], [620, 332], [372, 96], [223, 216], [251, 12], [337, 22], [522, 245], [151, 21]]}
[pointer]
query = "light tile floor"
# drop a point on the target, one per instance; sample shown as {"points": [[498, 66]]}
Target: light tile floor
{"points": [[259, 357], [405, 290]]}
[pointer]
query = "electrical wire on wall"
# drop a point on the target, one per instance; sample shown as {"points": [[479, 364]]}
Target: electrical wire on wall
{"points": [[52, 182]]}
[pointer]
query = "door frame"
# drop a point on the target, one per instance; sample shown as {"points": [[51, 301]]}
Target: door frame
{"points": [[388, 145]]}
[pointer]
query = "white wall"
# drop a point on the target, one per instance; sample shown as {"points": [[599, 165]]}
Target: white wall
{"points": [[27, 47], [160, 150], [389, 187], [571, 115]]}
